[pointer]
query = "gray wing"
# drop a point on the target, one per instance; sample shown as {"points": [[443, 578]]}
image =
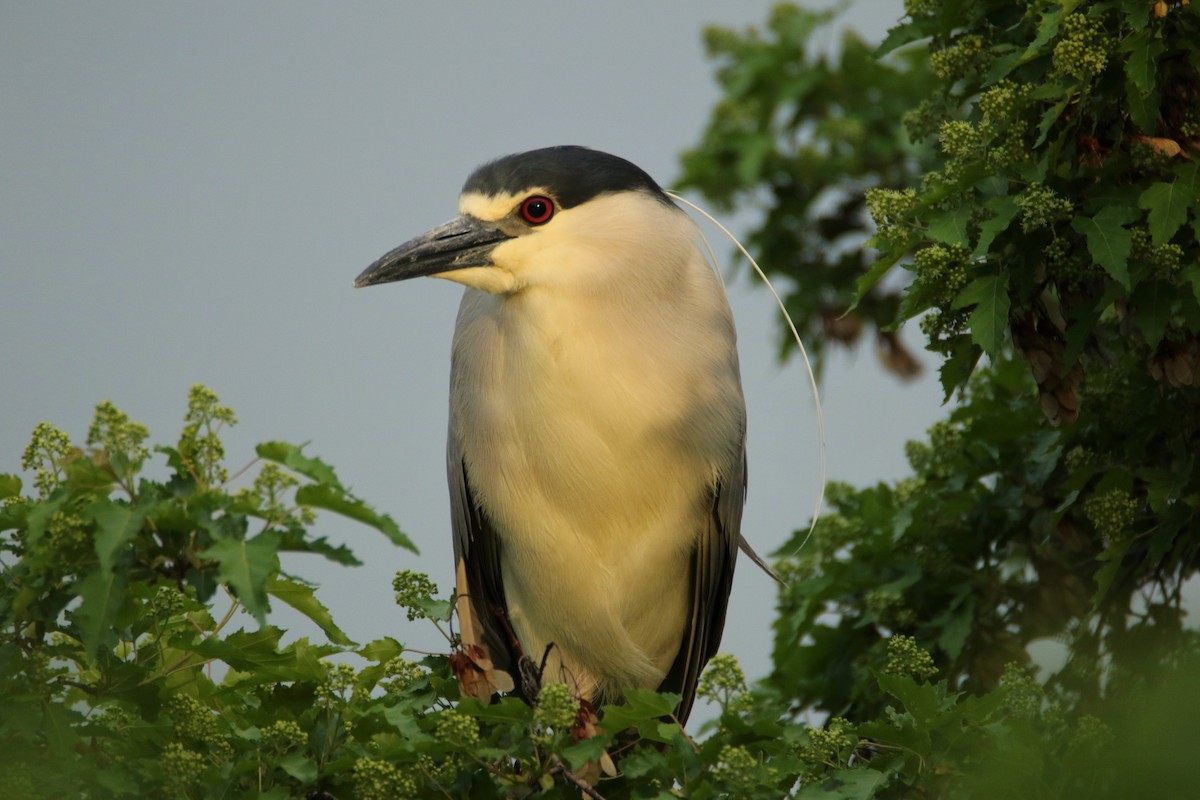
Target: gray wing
{"points": [[482, 608], [711, 579]]}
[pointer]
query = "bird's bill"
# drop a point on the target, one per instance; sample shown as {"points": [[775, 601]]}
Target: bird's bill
{"points": [[459, 244]]}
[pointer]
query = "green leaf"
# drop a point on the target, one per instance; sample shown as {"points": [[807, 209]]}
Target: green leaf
{"points": [[381, 650], [919, 699], [1004, 210], [257, 653], [300, 765], [1047, 30], [644, 710], [989, 320], [951, 226], [1141, 67], [302, 598], [10, 485], [116, 526], [1152, 302], [1107, 240], [290, 456], [245, 565], [872, 276], [102, 593], [585, 750], [956, 369], [845, 784], [956, 630], [330, 498], [1143, 107], [898, 36], [1051, 116], [1113, 558], [1168, 203], [1192, 275]]}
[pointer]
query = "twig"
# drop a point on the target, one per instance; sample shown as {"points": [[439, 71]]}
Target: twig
{"points": [[560, 768]]}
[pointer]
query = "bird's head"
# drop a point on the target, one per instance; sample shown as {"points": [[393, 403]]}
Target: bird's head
{"points": [[543, 217]]}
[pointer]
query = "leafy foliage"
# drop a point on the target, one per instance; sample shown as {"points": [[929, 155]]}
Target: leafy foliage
{"points": [[1048, 219], [1026, 176]]}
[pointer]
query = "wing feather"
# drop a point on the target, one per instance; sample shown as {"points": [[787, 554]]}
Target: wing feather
{"points": [[711, 580], [482, 608]]}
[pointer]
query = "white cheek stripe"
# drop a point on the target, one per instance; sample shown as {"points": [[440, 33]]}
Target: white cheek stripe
{"points": [[492, 207]]}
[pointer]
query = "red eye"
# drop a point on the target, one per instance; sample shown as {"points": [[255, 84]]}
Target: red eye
{"points": [[537, 210]]}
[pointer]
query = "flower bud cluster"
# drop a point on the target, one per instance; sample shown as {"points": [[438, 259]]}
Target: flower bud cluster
{"points": [[375, 779], [830, 745], [724, 682], [958, 60], [412, 589], [1023, 695], [456, 728], [112, 431], [181, 765], [889, 210], [1040, 207], [556, 707], [942, 270], [45, 455], [402, 674], [199, 445], [906, 658], [285, 733], [1083, 48], [1112, 513]]}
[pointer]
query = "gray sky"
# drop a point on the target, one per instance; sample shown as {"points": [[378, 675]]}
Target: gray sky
{"points": [[189, 190]]}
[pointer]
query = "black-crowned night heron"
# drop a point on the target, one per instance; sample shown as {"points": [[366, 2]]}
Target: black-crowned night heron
{"points": [[597, 454]]}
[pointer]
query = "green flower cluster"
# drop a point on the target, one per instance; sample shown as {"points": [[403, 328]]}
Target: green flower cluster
{"points": [[196, 724], [942, 270], [401, 674], [908, 659], [200, 446], [338, 679], [284, 734], [888, 608], [1077, 458], [167, 601], [1003, 103], [413, 589], [457, 729], [960, 140], [1083, 48], [269, 494], [831, 745], [375, 779], [960, 59], [1112, 513], [1041, 206], [890, 210], [556, 707], [736, 767], [183, 767], [1090, 738], [70, 535], [1165, 259], [724, 682], [114, 433], [46, 455], [1023, 695]]}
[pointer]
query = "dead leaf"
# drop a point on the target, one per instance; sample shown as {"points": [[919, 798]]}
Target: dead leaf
{"points": [[477, 676], [1164, 147], [895, 357]]}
